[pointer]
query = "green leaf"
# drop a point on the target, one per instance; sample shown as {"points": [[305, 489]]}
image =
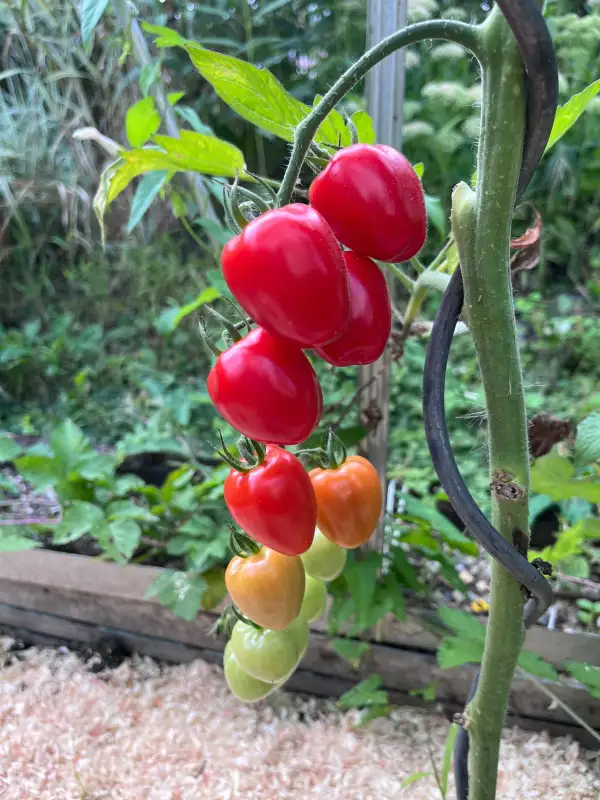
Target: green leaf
{"points": [[127, 509], [567, 115], [147, 189], [41, 471], [454, 652], [435, 214], [416, 776], [447, 759], [576, 566], [180, 592], [462, 623], [165, 36], [125, 534], [366, 693], [12, 539], [91, 11], [149, 74], [448, 532], [554, 476], [257, 96], [537, 505], [77, 520], [190, 115], [534, 664], [364, 127], [169, 319], [96, 466], [350, 650], [587, 443], [361, 577], [269, 8], [141, 121], [68, 442], [9, 449], [215, 588], [193, 152], [419, 169], [586, 674], [175, 97]]}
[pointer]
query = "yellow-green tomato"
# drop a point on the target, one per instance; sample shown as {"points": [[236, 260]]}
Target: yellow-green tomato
{"points": [[315, 599], [301, 632], [323, 560], [241, 684], [267, 655]]}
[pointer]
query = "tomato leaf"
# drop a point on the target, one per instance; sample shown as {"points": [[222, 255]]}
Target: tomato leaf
{"points": [[416, 776], [350, 650], [91, 11], [587, 443], [141, 121], [125, 534], [9, 449], [555, 476], [147, 189], [454, 652], [364, 127], [170, 318], [77, 520], [12, 539], [568, 114], [462, 623], [165, 36], [366, 693], [447, 531], [586, 674], [535, 665]]}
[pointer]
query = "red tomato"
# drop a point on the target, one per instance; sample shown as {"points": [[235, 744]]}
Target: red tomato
{"points": [[374, 202], [274, 503], [371, 316], [266, 389], [287, 272]]}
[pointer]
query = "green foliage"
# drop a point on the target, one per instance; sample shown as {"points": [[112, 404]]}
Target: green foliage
{"points": [[586, 674], [141, 121], [568, 114], [369, 696], [91, 12]]}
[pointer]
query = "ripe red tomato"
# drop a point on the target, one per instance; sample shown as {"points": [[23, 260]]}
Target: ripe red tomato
{"points": [[286, 271], [370, 320], [349, 501], [267, 587], [274, 502], [373, 200], [266, 389]]}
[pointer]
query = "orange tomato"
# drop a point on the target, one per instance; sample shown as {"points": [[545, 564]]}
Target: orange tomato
{"points": [[349, 501], [267, 587]]}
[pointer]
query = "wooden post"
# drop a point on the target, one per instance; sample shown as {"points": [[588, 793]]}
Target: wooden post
{"points": [[385, 98]]}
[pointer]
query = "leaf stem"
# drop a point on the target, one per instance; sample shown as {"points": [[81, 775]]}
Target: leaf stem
{"points": [[452, 30]]}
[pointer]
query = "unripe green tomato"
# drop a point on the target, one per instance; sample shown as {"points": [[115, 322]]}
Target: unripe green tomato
{"points": [[267, 655], [315, 599], [241, 684], [300, 630], [323, 560]]}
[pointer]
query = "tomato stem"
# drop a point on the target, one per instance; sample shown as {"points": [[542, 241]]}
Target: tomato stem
{"points": [[229, 326], [243, 618], [207, 339], [242, 545], [252, 452], [336, 452]]}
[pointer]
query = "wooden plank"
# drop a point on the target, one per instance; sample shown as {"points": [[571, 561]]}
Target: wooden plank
{"points": [[76, 598]]}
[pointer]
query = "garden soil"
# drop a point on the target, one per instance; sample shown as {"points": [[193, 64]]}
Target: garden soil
{"points": [[146, 732]]}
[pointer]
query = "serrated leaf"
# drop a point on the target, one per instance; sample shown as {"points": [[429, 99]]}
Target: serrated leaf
{"points": [[147, 189], [180, 592], [350, 650], [361, 578], [257, 96], [68, 443], [96, 466], [192, 152], [364, 127], [587, 674], [535, 665], [41, 471], [364, 694], [165, 36], [462, 623], [568, 114], [127, 509], [454, 652], [125, 534], [448, 532], [142, 120], [77, 520], [9, 449], [12, 539], [91, 11], [587, 442], [554, 476], [170, 318]]}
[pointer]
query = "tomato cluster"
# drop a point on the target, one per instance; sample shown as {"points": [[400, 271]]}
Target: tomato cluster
{"points": [[291, 275]]}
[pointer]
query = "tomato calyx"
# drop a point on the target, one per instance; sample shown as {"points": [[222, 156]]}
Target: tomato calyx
{"points": [[242, 205], [252, 452], [241, 544], [243, 618], [232, 330], [331, 456], [225, 623]]}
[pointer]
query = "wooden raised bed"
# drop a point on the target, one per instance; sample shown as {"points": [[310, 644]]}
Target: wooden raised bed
{"points": [[55, 598]]}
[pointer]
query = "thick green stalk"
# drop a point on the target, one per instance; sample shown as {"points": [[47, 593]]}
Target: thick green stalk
{"points": [[481, 225]]}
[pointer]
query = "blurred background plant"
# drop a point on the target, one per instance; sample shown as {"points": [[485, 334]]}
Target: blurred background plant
{"points": [[93, 335]]}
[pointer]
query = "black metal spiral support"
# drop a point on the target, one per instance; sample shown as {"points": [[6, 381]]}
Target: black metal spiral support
{"points": [[537, 51]]}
